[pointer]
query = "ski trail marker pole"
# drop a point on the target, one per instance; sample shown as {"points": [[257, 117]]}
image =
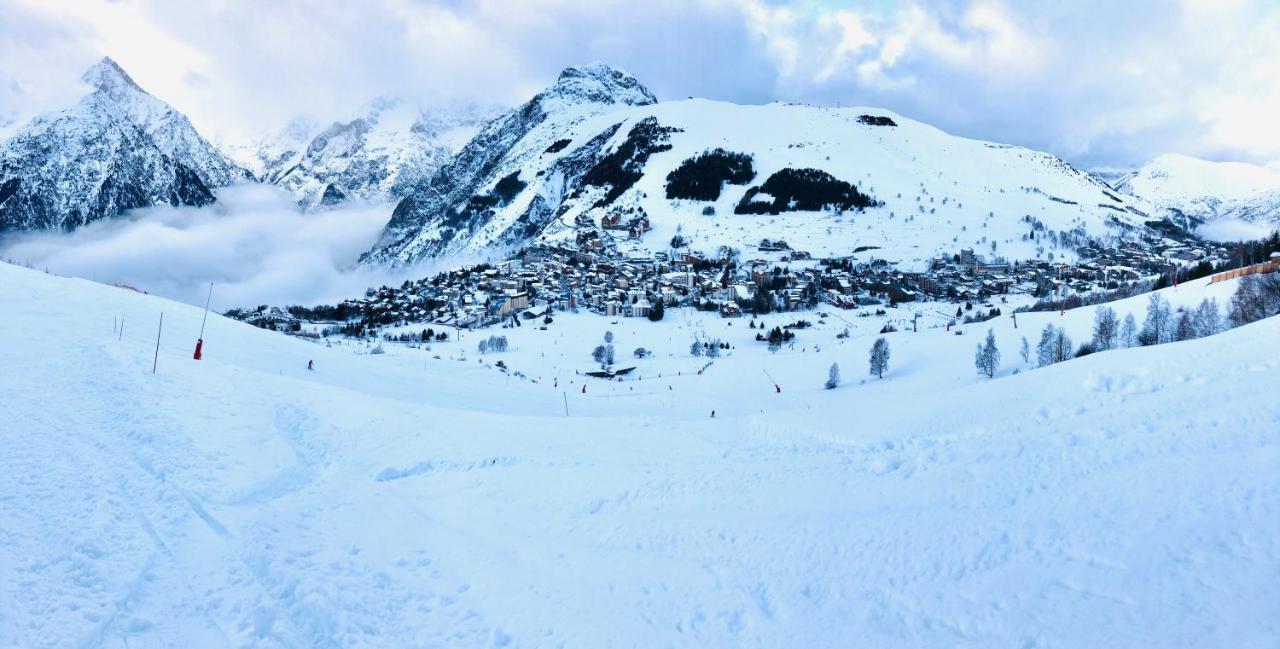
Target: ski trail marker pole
{"points": [[200, 340], [156, 360], [206, 310], [777, 388]]}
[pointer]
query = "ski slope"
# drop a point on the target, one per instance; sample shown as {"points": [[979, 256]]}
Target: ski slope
{"points": [[1128, 498]]}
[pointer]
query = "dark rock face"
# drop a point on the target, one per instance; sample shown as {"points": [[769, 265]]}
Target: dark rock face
{"points": [[332, 196], [117, 149]]}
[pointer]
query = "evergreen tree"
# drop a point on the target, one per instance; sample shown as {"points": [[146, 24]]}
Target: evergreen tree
{"points": [[1025, 350], [657, 312]]}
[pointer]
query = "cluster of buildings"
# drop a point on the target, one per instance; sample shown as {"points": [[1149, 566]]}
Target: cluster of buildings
{"points": [[545, 279]]}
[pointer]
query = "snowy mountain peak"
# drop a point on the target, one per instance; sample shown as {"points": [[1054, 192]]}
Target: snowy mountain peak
{"points": [[579, 175], [1230, 199], [380, 154], [107, 76], [601, 83], [116, 149]]}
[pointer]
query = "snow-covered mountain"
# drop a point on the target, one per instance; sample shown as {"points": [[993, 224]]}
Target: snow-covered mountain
{"points": [[393, 146], [267, 156], [597, 145], [1201, 192], [118, 148]]}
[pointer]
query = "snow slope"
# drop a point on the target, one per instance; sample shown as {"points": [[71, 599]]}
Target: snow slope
{"points": [[941, 193], [1129, 498], [1233, 200]]}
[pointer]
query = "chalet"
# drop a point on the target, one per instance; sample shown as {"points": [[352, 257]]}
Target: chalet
{"points": [[638, 227]]}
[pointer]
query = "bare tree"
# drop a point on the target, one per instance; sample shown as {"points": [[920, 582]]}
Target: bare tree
{"points": [[1158, 327], [1184, 328], [1106, 327], [1054, 346], [1208, 318], [987, 358], [1256, 297], [879, 358], [1128, 331]]}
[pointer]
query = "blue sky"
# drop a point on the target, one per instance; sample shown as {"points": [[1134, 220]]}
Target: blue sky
{"points": [[1098, 83]]}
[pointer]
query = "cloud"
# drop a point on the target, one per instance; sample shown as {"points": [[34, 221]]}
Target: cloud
{"points": [[253, 243], [1094, 82], [1097, 82]]}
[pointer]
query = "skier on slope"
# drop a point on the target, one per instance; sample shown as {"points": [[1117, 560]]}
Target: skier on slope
{"points": [[310, 365]]}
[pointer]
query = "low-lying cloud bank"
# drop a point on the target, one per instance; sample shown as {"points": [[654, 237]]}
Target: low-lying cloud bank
{"points": [[254, 244]]}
